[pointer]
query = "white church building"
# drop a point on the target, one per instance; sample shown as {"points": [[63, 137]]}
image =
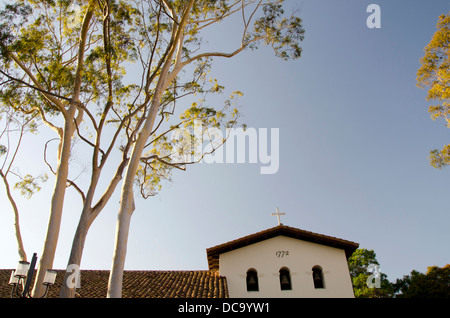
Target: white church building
{"points": [[284, 262]]}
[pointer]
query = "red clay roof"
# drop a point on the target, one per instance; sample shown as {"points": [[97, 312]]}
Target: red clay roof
{"points": [[140, 284], [214, 252]]}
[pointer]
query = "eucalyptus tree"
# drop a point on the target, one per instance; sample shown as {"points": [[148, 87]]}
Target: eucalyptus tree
{"points": [[184, 21], [113, 74], [63, 60], [36, 73], [434, 73]]}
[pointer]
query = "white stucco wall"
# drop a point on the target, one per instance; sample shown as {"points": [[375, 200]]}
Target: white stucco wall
{"points": [[267, 258]]}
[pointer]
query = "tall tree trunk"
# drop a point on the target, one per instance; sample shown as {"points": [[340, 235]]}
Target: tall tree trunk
{"points": [[51, 239], [67, 288], [87, 217], [126, 208], [120, 249], [127, 198], [20, 248]]}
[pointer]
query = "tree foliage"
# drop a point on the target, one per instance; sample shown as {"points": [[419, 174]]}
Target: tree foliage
{"points": [[364, 271], [434, 73], [16, 125], [435, 283]]}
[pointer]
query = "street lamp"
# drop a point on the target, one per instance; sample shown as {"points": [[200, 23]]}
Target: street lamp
{"points": [[23, 275]]}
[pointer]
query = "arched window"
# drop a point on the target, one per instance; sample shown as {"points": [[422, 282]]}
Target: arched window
{"points": [[252, 280], [285, 279], [318, 277]]}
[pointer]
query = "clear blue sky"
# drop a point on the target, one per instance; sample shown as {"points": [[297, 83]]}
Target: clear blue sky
{"points": [[355, 135]]}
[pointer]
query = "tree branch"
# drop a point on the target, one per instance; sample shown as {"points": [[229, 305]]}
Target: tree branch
{"points": [[38, 87]]}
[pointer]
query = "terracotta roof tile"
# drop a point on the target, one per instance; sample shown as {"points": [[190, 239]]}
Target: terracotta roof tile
{"points": [[140, 284]]}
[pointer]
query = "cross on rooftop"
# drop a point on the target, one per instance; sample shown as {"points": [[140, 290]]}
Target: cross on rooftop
{"points": [[278, 216]]}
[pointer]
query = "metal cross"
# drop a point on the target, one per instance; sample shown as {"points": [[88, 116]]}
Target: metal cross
{"points": [[278, 216]]}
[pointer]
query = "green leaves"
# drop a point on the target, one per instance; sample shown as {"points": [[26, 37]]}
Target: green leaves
{"points": [[29, 185], [182, 144], [130, 46], [359, 264], [440, 158], [434, 73], [284, 34], [12, 17], [435, 283]]}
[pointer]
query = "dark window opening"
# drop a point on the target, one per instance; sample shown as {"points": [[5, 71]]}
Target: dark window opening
{"points": [[252, 280], [318, 277], [285, 279]]}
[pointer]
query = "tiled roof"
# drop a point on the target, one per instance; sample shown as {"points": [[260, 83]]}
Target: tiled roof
{"points": [[140, 284], [214, 252]]}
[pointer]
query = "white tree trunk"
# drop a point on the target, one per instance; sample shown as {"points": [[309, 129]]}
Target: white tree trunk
{"points": [[127, 198], [127, 204], [67, 288], [51, 240], [88, 216], [120, 250]]}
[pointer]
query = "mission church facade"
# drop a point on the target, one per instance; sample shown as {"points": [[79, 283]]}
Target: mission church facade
{"points": [[278, 262], [284, 262]]}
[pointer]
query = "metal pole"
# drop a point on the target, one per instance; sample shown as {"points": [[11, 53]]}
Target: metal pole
{"points": [[29, 276]]}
